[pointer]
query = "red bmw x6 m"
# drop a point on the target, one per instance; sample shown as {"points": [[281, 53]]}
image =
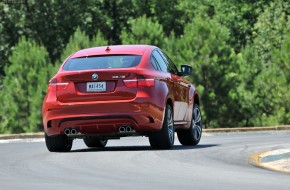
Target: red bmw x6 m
{"points": [[110, 92]]}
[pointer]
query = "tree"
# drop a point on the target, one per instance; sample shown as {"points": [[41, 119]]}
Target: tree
{"points": [[204, 46], [281, 58], [239, 17], [262, 90], [168, 15], [24, 87], [12, 23], [51, 23], [245, 94], [270, 79], [79, 40], [264, 84], [270, 29], [239, 49], [143, 31]]}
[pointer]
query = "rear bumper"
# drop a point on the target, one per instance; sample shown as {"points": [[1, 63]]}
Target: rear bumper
{"points": [[102, 117]]}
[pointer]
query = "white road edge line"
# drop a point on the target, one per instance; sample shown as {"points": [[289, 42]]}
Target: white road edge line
{"points": [[21, 140]]}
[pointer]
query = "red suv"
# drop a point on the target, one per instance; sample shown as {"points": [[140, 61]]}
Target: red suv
{"points": [[110, 92]]}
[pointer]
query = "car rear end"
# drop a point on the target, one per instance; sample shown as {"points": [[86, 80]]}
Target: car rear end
{"points": [[108, 94]]}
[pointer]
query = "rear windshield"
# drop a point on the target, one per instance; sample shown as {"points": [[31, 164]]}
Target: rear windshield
{"points": [[102, 62]]}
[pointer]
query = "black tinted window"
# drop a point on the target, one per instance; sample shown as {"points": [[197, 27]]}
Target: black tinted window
{"points": [[160, 61], [155, 64], [171, 66], [102, 62]]}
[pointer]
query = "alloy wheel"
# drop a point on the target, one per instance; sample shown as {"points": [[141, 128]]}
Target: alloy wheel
{"points": [[170, 126], [196, 122]]}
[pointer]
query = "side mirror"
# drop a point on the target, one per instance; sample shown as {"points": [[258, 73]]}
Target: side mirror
{"points": [[186, 70]]}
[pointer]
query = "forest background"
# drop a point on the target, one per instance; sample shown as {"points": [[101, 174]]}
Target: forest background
{"points": [[239, 50]]}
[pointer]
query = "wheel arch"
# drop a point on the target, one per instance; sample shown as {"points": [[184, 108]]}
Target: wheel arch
{"points": [[196, 99], [170, 102]]}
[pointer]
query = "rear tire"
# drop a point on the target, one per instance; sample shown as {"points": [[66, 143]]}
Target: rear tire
{"points": [[59, 143], [164, 139], [95, 143], [192, 135]]}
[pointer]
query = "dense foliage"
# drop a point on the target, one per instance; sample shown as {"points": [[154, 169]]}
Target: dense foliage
{"points": [[240, 52]]}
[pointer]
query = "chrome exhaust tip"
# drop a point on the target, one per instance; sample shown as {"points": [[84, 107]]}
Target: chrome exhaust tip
{"points": [[67, 131], [126, 129], [129, 129], [122, 129], [73, 131]]}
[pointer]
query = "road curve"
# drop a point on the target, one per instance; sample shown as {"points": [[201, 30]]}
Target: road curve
{"points": [[220, 161]]}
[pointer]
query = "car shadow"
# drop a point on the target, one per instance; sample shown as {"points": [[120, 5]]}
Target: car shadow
{"points": [[141, 148]]}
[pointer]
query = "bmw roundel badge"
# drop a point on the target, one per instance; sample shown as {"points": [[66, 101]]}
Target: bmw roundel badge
{"points": [[95, 76]]}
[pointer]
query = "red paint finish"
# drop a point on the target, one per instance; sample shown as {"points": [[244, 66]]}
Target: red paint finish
{"points": [[134, 96]]}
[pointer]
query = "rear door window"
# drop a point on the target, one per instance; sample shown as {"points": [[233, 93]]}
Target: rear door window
{"points": [[171, 67], [160, 61], [155, 64], [102, 62]]}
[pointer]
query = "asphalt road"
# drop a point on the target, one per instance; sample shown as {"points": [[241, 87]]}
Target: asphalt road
{"points": [[220, 162]]}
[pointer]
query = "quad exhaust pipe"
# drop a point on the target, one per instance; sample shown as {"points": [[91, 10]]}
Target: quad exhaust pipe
{"points": [[126, 129], [122, 129]]}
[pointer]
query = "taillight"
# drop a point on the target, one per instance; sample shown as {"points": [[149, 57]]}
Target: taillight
{"points": [[146, 82], [53, 85], [134, 83], [131, 83]]}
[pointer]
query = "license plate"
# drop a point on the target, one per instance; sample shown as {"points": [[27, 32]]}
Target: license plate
{"points": [[96, 86]]}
